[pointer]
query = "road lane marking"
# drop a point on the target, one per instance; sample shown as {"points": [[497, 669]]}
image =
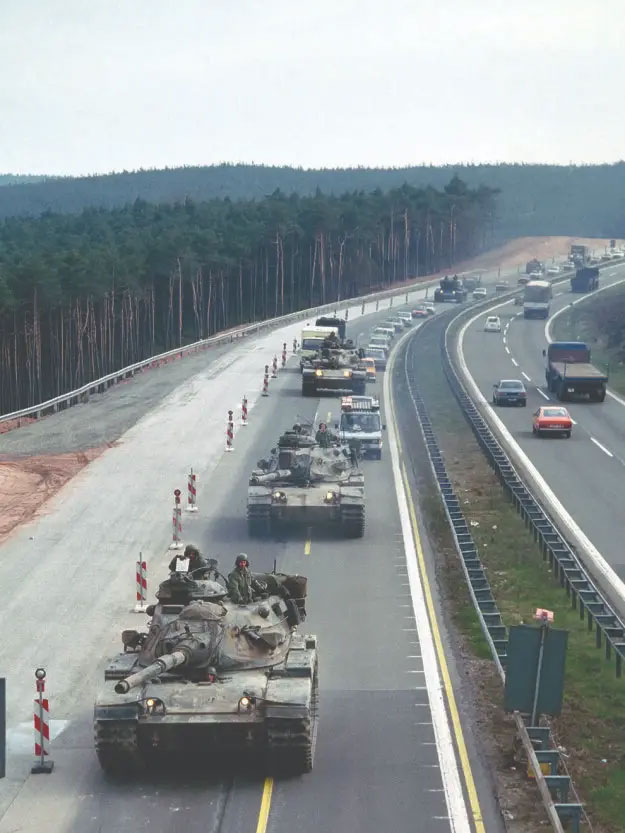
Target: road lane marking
{"points": [[507, 350], [542, 393], [602, 447], [525, 376], [504, 339], [307, 547], [441, 698], [265, 804], [515, 362]]}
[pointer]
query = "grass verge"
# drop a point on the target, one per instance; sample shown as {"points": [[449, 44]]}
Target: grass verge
{"points": [[592, 726], [598, 322]]}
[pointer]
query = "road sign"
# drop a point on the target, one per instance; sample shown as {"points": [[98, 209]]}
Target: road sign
{"points": [[535, 670]]}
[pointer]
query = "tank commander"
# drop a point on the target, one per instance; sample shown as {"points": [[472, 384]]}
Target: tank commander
{"points": [[323, 437], [189, 561], [243, 588]]}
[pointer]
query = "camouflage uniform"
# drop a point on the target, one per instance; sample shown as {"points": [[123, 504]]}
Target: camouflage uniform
{"points": [[324, 438], [242, 587]]}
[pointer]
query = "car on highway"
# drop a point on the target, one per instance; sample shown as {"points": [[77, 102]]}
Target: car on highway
{"points": [[378, 354], [388, 332], [429, 306], [501, 286], [509, 392], [492, 324], [369, 363], [380, 341], [552, 419], [395, 323], [405, 317], [479, 292], [419, 312], [553, 270]]}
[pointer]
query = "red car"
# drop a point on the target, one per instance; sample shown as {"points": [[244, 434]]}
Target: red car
{"points": [[552, 419], [419, 312]]}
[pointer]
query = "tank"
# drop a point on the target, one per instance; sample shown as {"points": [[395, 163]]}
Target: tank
{"points": [[304, 483], [336, 368], [213, 677], [450, 289]]}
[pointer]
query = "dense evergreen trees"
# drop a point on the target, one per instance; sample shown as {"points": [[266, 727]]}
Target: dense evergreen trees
{"points": [[82, 295], [585, 200]]}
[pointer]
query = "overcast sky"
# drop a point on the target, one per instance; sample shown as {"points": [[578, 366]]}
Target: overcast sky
{"points": [[98, 85]]}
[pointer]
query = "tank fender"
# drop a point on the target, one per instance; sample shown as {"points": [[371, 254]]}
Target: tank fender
{"points": [[259, 495], [125, 711], [288, 697], [352, 494]]}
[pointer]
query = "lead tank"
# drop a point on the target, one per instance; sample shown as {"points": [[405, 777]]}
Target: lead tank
{"points": [[336, 368], [304, 483], [450, 289], [213, 676]]}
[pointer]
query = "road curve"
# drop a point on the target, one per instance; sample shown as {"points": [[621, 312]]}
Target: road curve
{"points": [[377, 760], [586, 472]]}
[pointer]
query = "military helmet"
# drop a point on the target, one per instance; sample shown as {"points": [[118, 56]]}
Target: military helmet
{"points": [[242, 557], [190, 550]]}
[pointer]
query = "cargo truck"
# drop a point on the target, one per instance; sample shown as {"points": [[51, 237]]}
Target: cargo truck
{"points": [[585, 279], [579, 254], [569, 373]]}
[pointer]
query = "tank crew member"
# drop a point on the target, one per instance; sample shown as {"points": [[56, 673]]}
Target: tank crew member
{"points": [[242, 586], [323, 437], [195, 561]]}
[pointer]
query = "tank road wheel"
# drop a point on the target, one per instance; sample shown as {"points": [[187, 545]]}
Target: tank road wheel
{"points": [[117, 747], [291, 742], [353, 521], [258, 521]]}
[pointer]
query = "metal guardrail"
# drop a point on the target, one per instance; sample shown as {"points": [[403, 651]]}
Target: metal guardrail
{"points": [[100, 385], [540, 747]]}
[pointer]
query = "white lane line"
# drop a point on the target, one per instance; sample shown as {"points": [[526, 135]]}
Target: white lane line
{"points": [[544, 395], [504, 339], [573, 421], [602, 447], [525, 376], [515, 362], [508, 350]]}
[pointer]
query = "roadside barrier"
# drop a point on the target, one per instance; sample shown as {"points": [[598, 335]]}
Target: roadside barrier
{"points": [[244, 411], [274, 369], [191, 492], [43, 762], [266, 381], [141, 572], [176, 522], [230, 432], [283, 355]]}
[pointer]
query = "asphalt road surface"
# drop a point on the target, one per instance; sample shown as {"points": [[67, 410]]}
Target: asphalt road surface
{"points": [[67, 581], [587, 471]]}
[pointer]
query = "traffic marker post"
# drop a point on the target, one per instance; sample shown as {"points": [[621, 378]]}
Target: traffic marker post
{"points": [[362, 308], [266, 381], [295, 345], [191, 492], [377, 305], [406, 297], [176, 521], [141, 573], [391, 302], [346, 314], [274, 369], [43, 763], [284, 354], [230, 432], [244, 411]]}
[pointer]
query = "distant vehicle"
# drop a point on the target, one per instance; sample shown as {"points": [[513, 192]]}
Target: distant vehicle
{"points": [[493, 324], [406, 318], [378, 354], [553, 270], [385, 330], [450, 289], [471, 282], [419, 312], [537, 299], [395, 323], [501, 286], [579, 254], [480, 292], [523, 280], [518, 300], [569, 372], [569, 264], [361, 425], [585, 279], [550, 419], [509, 392], [429, 306], [332, 321], [369, 363], [534, 265], [381, 342], [312, 339]]}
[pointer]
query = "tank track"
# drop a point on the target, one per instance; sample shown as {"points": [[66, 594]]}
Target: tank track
{"points": [[308, 389], [259, 521], [353, 521], [117, 747], [291, 742]]}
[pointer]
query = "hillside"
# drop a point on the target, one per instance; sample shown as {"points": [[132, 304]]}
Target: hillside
{"points": [[534, 200]]}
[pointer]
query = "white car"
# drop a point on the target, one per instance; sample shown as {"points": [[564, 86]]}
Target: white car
{"points": [[396, 323], [480, 292], [406, 317], [429, 306], [380, 341], [553, 270], [493, 324]]}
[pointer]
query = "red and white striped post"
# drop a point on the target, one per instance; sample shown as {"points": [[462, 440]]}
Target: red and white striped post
{"points": [[141, 573], [230, 432], [274, 369], [176, 522], [295, 345], [284, 354], [43, 763], [266, 381], [244, 411], [191, 492]]}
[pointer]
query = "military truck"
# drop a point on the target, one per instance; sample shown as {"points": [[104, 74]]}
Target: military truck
{"points": [[340, 324], [210, 676], [585, 279], [450, 289], [361, 425], [304, 483], [569, 373], [336, 368]]}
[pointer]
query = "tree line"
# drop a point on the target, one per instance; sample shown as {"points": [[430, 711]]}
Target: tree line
{"points": [[83, 295], [584, 200]]}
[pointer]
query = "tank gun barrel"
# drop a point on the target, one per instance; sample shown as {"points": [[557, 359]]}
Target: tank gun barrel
{"points": [[164, 663], [272, 476]]}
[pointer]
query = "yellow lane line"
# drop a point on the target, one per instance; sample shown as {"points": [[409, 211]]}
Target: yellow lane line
{"points": [[307, 547], [440, 652], [265, 804]]}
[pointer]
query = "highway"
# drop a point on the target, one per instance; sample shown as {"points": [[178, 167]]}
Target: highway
{"points": [[587, 471], [383, 756]]}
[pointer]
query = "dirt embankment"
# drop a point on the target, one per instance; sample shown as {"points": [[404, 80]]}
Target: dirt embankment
{"points": [[26, 483]]}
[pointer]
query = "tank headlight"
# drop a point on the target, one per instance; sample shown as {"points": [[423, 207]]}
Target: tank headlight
{"points": [[330, 497], [246, 703], [347, 373], [278, 497], [318, 372], [154, 705]]}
